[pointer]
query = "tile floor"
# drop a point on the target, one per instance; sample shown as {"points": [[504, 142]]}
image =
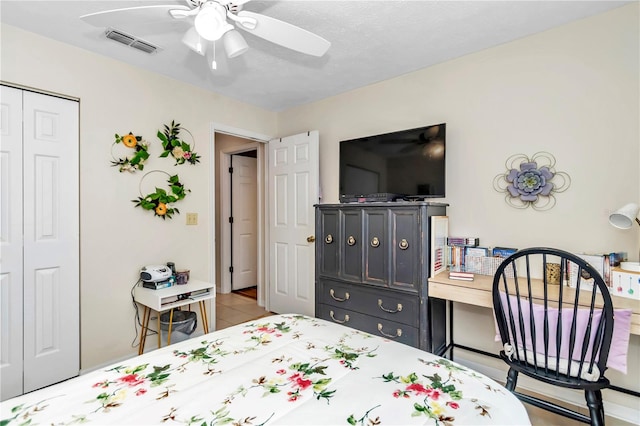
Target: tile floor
{"points": [[232, 309]]}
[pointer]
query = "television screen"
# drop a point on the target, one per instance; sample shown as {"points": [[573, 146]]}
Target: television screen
{"points": [[407, 164]]}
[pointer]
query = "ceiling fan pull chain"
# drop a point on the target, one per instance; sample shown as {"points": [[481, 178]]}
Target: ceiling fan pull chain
{"points": [[214, 64]]}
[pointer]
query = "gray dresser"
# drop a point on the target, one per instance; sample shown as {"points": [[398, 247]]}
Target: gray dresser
{"points": [[372, 267]]}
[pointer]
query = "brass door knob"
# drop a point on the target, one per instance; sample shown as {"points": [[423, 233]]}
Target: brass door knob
{"points": [[311, 238]]}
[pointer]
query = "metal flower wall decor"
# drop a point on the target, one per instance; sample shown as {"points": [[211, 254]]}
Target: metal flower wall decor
{"points": [[531, 182]]}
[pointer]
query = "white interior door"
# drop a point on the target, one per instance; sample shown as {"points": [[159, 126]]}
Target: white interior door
{"points": [[51, 240], [42, 203], [293, 173], [11, 273], [244, 192]]}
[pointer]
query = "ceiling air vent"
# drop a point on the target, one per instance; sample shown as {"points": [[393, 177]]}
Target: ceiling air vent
{"points": [[130, 40]]}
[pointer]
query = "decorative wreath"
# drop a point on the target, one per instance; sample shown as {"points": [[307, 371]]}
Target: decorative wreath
{"points": [[533, 182], [161, 201], [134, 162], [172, 144]]}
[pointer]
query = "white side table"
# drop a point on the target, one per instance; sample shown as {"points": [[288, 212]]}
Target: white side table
{"points": [[169, 298]]}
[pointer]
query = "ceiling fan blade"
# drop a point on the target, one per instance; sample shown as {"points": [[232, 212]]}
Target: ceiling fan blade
{"points": [[285, 34], [133, 15]]}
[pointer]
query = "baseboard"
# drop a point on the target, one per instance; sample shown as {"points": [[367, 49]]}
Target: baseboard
{"points": [[567, 396], [152, 344]]}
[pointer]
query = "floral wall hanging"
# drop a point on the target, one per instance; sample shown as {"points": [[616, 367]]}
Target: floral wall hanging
{"points": [[133, 162], [181, 151], [161, 201], [531, 182]]}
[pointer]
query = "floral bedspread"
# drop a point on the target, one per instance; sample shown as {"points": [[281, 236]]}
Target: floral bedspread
{"points": [[279, 370]]}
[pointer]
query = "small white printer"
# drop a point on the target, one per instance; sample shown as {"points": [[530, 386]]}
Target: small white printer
{"points": [[155, 273]]}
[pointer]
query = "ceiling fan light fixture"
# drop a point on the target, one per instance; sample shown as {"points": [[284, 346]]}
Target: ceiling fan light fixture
{"points": [[211, 22], [234, 43], [193, 41]]}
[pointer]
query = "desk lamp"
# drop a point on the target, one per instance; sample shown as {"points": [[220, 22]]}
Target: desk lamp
{"points": [[623, 218]]}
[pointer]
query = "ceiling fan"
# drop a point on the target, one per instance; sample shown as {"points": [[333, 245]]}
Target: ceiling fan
{"points": [[213, 20]]}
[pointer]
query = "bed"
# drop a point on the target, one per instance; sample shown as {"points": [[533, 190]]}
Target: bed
{"points": [[277, 370]]}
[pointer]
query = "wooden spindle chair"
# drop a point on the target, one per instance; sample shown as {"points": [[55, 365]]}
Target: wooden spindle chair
{"points": [[555, 326]]}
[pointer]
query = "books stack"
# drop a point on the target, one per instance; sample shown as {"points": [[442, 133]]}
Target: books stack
{"points": [[463, 241], [463, 276]]}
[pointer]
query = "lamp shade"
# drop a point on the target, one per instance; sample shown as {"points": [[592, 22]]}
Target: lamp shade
{"points": [[234, 43], [211, 22], [193, 40], [624, 217]]}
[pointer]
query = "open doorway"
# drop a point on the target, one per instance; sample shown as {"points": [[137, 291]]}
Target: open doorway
{"points": [[239, 253]]}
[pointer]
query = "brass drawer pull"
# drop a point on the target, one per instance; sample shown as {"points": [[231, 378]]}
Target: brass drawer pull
{"points": [[351, 240], [346, 296], [398, 309], [404, 244], [375, 242], [398, 332], [346, 318], [328, 239]]}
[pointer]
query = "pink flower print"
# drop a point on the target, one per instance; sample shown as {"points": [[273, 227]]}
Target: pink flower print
{"points": [[131, 380], [264, 329], [293, 396], [186, 155], [453, 405], [141, 391], [299, 381], [417, 388], [434, 394], [398, 393], [104, 384], [281, 371]]}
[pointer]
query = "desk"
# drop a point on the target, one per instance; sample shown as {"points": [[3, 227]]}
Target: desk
{"points": [[169, 298], [478, 293]]}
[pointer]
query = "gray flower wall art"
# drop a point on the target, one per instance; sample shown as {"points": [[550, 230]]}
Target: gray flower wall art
{"points": [[531, 182]]}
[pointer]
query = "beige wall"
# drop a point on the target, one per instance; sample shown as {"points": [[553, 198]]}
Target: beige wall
{"points": [[572, 91], [116, 239]]}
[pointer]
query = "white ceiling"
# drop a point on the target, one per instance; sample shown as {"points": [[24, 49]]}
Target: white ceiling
{"points": [[371, 41]]}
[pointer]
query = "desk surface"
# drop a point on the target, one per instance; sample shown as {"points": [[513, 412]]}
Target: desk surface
{"points": [[166, 298], [478, 293]]}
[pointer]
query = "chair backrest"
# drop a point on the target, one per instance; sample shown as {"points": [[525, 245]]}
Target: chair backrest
{"points": [[554, 314]]}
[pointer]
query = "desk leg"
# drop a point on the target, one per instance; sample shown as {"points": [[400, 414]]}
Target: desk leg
{"points": [[203, 315], [145, 327], [170, 325], [451, 343], [159, 332]]}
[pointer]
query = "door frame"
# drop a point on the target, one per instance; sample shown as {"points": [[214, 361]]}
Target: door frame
{"points": [[259, 145]]}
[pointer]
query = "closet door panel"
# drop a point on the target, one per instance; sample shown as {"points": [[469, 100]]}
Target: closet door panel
{"points": [[51, 247], [11, 364]]}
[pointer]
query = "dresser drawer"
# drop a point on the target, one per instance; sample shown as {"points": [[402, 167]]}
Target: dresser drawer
{"points": [[380, 327], [384, 304]]}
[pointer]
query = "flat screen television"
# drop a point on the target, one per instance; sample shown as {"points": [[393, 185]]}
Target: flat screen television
{"points": [[407, 164]]}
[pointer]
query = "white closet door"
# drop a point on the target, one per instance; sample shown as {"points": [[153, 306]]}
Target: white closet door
{"points": [[51, 240], [11, 364]]}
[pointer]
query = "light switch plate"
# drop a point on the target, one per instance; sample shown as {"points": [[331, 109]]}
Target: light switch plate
{"points": [[192, 218]]}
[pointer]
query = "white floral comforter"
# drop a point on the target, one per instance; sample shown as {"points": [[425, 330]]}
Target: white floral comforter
{"points": [[279, 370]]}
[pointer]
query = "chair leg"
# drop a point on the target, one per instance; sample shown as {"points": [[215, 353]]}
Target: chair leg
{"points": [[512, 379], [596, 408]]}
